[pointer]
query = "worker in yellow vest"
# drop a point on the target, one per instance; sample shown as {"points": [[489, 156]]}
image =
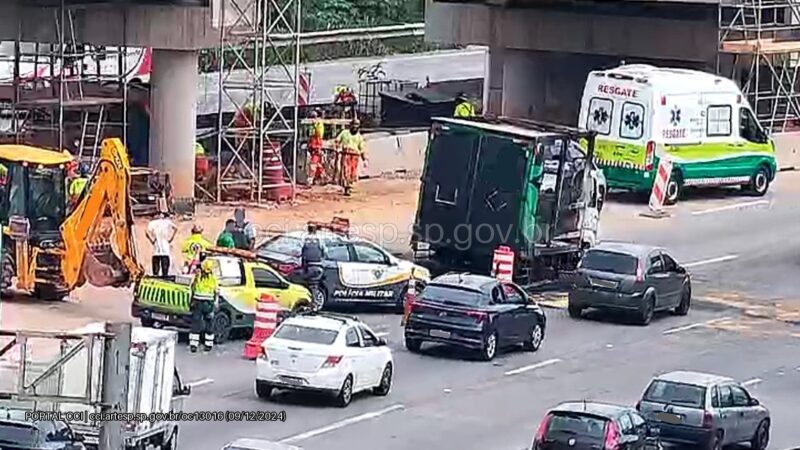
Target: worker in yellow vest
{"points": [[194, 246], [204, 296], [464, 108], [199, 150], [316, 141], [350, 143], [78, 184]]}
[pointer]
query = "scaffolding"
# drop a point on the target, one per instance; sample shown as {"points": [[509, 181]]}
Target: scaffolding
{"points": [[759, 47], [65, 92], [259, 61]]}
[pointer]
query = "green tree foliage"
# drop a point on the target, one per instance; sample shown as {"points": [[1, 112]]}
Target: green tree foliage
{"points": [[336, 14]]}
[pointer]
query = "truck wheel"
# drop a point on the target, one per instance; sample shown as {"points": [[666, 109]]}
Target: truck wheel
{"points": [[49, 292], [222, 327], [674, 188], [8, 267], [759, 184]]}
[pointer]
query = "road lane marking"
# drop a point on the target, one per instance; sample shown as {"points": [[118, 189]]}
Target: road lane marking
{"points": [[704, 262], [341, 424], [538, 365], [695, 325], [730, 207], [201, 382], [382, 334], [752, 382]]}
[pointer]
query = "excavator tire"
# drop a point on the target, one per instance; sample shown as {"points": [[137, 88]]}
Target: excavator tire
{"points": [[8, 270], [49, 292]]}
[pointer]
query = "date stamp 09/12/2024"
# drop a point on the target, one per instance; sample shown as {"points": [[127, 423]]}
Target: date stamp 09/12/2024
{"points": [[172, 416]]}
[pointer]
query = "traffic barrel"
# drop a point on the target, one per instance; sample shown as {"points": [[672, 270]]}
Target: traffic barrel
{"points": [[503, 263], [266, 320]]}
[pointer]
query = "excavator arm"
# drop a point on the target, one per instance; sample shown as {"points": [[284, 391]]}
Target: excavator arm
{"points": [[85, 241]]}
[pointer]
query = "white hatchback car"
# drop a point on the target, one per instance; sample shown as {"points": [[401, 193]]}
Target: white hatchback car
{"points": [[327, 353]]}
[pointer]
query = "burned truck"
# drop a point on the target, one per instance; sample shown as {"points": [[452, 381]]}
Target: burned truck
{"points": [[526, 185]]}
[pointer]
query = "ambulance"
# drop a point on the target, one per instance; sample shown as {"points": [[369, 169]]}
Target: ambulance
{"points": [[699, 121]]}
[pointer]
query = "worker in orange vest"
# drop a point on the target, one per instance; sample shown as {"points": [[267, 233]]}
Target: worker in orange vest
{"points": [[316, 140]]}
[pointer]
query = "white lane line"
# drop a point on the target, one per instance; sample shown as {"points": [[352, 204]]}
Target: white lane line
{"points": [[201, 382], [538, 365], [341, 424], [704, 262], [752, 382], [383, 334], [729, 207], [695, 325]]}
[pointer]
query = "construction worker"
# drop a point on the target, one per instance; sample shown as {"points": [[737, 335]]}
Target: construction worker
{"points": [[311, 260], [316, 141], [193, 247], [3, 175], [204, 295], [199, 150], [464, 108], [350, 143], [78, 184], [225, 239], [244, 233]]}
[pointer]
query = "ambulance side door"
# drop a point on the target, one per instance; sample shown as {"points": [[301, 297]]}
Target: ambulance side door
{"points": [[722, 141]]}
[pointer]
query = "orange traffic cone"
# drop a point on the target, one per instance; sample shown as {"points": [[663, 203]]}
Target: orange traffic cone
{"points": [[264, 325]]}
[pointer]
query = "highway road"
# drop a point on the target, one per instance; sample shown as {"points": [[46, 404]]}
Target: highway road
{"points": [[739, 250]]}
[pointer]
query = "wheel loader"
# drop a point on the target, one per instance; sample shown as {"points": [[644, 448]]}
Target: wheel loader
{"points": [[50, 246]]}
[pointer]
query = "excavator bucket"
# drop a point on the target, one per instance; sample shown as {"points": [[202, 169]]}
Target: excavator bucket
{"points": [[102, 268]]}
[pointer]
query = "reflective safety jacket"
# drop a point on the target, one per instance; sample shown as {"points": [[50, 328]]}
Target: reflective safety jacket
{"points": [[464, 109], [193, 246], [351, 143], [77, 186], [204, 287]]}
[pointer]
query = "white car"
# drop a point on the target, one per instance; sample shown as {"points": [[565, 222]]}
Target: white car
{"points": [[326, 353]]}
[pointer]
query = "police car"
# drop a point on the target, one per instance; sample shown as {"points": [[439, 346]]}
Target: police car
{"points": [[354, 270]]}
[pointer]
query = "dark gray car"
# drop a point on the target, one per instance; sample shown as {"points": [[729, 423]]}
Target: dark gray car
{"points": [[705, 410], [632, 278]]}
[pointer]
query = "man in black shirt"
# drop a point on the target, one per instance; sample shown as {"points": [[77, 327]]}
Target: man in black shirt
{"points": [[312, 266]]}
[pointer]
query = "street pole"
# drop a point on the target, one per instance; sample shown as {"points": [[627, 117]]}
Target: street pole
{"points": [[116, 368]]}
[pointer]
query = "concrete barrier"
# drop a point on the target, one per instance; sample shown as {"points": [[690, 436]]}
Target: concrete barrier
{"points": [[787, 150], [395, 153]]}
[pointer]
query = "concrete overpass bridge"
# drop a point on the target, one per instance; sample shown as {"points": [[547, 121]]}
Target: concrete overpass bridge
{"points": [[542, 50]]}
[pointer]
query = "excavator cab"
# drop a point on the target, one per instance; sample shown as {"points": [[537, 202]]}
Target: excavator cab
{"points": [[49, 249]]}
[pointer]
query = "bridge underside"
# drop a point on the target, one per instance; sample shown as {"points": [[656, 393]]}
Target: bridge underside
{"points": [[540, 54]]}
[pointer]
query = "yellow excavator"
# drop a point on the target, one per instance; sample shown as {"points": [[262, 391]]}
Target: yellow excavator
{"points": [[50, 247]]}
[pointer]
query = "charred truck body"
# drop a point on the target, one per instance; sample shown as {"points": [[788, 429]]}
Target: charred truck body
{"points": [[526, 185]]}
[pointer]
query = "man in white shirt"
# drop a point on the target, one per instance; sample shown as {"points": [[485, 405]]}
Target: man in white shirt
{"points": [[160, 232]]}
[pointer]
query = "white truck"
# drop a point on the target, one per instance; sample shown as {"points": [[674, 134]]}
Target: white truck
{"points": [[154, 387]]}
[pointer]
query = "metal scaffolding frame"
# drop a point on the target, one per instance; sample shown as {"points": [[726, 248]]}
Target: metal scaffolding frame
{"points": [[759, 46], [258, 69], [59, 88]]}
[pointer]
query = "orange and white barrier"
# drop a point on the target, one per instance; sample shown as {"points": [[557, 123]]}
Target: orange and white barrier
{"points": [[503, 263], [659, 192], [266, 320]]}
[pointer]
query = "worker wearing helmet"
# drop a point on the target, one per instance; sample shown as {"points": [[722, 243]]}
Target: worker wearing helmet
{"points": [[78, 184], [464, 108], [350, 143], [204, 294], [193, 247]]}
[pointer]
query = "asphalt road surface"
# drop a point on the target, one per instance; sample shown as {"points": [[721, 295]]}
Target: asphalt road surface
{"points": [[740, 248]]}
